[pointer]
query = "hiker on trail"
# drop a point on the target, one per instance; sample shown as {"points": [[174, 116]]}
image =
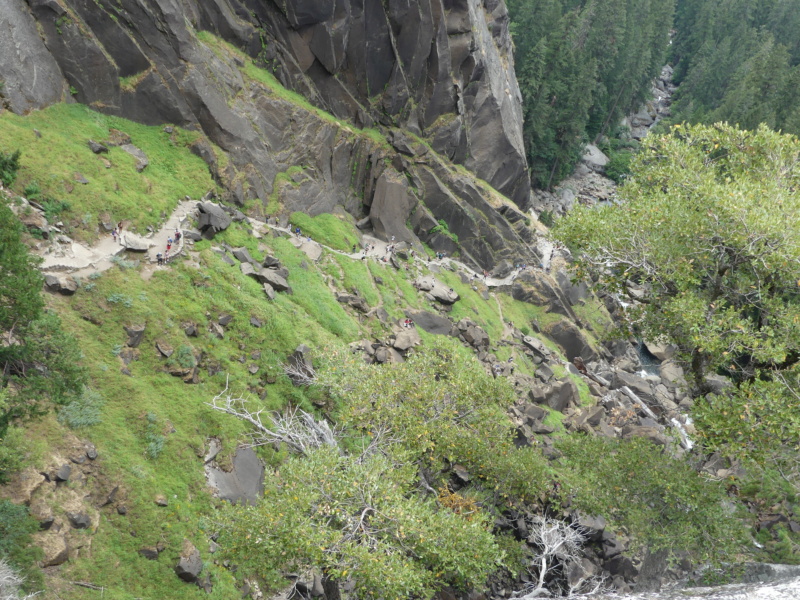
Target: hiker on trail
{"points": [[169, 247], [177, 236], [114, 234], [354, 248], [119, 227], [392, 238], [160, 258]]}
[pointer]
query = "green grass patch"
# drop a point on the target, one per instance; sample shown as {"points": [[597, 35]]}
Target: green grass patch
{"points": [[328, 229], [53, 161]]}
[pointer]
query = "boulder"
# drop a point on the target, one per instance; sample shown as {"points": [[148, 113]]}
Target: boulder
{"points": [[212, 219], [141, 158], [272, 277], [269, 291], [54, 547], [96, 147], [164, 348], [63, 473], [537, 346], [406, 339], [538, 288], [640, 386], [476, 337], [671, 374], [135, 243], [654, 434], [135, 335], [591, 526], [662, 350], [149, 552], [559, 395], [594, 158], [79, 520], [243, 255], [243, 484], [248, 270], [190, 565], [571, 339], [60, 285], [430, 322]]}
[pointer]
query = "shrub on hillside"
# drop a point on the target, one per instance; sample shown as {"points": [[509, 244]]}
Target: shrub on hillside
{"points": [[9, 165], [83, 411]]}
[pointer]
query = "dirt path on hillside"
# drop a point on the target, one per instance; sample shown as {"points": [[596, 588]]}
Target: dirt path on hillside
{"points": [[80, 260]]}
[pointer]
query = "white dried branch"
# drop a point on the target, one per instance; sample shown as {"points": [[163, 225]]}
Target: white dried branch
{"points": [[300, 431], [11, 583], [557, 543], [301, 373]]}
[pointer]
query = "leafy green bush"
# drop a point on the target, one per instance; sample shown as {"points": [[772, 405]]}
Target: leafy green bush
{"points": [[9, 165], [117, 298], [53, 208], [153, 438], [83, 411], [619, 166], [184, 356], [11, 452], [547, 218], [661, 501], [33, 191]]}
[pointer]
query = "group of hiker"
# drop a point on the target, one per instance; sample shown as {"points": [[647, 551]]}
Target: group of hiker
{"points": [[162, 259]]}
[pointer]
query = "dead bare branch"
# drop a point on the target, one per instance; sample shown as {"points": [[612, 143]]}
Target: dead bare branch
{"points": [[299, 430]]}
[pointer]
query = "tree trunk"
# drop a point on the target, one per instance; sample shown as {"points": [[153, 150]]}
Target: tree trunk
{"points": [[331, 588]]}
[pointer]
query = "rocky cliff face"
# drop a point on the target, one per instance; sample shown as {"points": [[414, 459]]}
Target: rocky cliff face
{"points": [[438, 69]]}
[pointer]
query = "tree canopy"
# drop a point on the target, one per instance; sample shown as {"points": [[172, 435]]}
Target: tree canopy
{"points": [[737, 61], [705, 239], [39, 363]]}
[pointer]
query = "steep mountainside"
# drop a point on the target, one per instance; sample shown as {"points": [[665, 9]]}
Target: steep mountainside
{"points": [[441, 70]]}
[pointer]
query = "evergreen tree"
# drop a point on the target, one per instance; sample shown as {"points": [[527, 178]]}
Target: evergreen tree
{"points": [[36, 356]]}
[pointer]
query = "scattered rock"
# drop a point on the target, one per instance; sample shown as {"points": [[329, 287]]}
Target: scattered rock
{"points": [[255, 322], [189, 566], [135, 335], [66, 286], [79, 520], [406, 339], [225, 319], [269, 291], [212, 219], [141, 158], [63, 473], [97, 148], [149, 552], [164, 349], [160, 500]]}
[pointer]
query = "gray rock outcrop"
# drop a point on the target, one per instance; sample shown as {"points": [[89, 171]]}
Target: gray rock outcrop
{"points": [[439, 69]]}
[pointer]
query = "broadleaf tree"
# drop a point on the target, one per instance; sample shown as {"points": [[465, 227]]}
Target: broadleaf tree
{"points": [[707, 232]]}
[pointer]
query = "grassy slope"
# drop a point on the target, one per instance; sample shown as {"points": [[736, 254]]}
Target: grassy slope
{"points": [[97, 314], [113, 193]]}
